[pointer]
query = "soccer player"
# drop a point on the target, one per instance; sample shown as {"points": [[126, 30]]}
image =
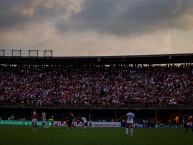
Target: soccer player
{"points": [[34, 119], [74, 122], [44, 120], [90, 124], [69, 119], [129, 124], [189, 123], [84, 122]]}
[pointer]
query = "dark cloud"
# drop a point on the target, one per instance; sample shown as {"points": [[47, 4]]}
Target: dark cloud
{"points": [[120, 17], [128, 17], [20, 14]]}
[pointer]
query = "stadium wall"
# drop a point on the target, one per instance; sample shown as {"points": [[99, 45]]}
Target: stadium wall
{"points": [[103, 115]]}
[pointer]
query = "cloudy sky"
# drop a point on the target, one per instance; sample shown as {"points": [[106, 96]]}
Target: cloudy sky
{"points": [[97, 27]]}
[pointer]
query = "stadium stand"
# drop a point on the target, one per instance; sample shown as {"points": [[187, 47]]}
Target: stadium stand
{"points": [[105, 85], [88, 82]]}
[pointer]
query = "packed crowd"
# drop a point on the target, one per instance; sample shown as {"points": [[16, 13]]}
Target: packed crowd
{"points": [[106, 85]]}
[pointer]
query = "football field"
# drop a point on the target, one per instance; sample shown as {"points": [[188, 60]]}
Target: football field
{"points": [[25, 135]]}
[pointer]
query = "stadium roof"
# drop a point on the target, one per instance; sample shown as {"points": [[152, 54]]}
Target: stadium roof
{"points": [[94, 60]]}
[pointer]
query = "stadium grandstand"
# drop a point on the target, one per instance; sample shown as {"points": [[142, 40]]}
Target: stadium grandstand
{"points": [[102, 86]]}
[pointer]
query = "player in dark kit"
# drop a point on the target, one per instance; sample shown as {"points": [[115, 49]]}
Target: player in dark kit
{"points": [[69, 119], [34, 119]]}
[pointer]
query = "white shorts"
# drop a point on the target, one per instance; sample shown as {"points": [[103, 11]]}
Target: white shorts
{"points": [[130, 122], [34, 120]]}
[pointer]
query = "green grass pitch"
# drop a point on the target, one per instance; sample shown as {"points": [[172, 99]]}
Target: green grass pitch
{"points": [[25, 135]]}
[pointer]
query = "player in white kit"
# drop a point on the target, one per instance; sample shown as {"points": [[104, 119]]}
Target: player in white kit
{"points": [[84, 122], [129, 124], [189, 123], [44, 120]]}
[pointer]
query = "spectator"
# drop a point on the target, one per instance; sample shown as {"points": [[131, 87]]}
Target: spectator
{"points": [[91, 85]]}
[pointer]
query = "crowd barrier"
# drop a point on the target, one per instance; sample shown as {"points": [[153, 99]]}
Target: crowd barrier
{"points": [[23, 122], [94, 124]]}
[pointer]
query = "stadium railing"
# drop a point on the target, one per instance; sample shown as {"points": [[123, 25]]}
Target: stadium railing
{"points": [[99, 106]]}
